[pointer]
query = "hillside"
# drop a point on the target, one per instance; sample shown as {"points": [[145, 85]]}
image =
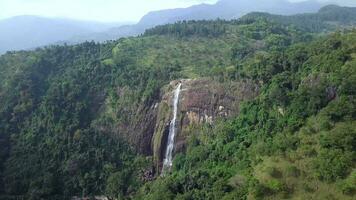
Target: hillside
{"points": [[328, 18], [266, 111], [296, 140]]}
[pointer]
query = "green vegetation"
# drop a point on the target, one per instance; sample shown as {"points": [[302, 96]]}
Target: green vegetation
{"points": [[296, 140], [49, 124], [61, 105], [328, 18]]}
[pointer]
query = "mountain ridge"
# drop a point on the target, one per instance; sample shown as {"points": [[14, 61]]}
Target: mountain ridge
{"points": [[227, 9], [224, 9], [73, 34]]}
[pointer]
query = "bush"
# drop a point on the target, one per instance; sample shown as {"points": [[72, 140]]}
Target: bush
{"points": [[274, 172], [343, 137], [292, 171], [275, 186], [332, 164], [260, 190], [348, 186]]}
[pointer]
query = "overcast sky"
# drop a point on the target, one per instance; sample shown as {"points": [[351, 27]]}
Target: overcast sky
{"points": [[99, 10]]}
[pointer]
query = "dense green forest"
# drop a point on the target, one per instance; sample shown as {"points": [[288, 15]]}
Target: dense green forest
{"points": [[297, 139], [328, 18]]}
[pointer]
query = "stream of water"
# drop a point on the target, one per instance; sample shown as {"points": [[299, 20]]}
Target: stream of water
{"points": [[167, 162]]}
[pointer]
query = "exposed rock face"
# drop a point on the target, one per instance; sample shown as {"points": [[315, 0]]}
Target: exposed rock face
{"points": [[130, 119], [146, 126], [201, 101], [142, 129]]}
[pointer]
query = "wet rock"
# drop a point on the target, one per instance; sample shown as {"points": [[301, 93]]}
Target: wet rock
{"points": [[145, 125], [201, 101]]}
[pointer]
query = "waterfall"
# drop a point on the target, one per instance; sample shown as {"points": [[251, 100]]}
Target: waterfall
{"points": [[167, 162]]}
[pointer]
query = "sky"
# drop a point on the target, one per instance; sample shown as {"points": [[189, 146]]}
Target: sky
{"points": [[99, 10]]}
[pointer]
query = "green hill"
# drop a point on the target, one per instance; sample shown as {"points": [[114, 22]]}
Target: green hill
{"points": [[328, 18], [64, 108]]}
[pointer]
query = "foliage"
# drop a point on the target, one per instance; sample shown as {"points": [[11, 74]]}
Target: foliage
{"points": [[328, 18], [61, 105], [301, 127]]}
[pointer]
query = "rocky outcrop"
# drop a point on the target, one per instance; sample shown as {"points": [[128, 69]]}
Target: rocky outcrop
{"points": [[141, 130], [126, 116], [201, 101], [145, 126]]}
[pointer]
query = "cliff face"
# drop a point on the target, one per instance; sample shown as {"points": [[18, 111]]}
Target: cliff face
{"points": [[201, 101], [131, 119], [146, 126]]}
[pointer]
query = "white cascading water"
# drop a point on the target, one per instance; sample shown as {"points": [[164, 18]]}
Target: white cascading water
{"points": [[167, 162]]}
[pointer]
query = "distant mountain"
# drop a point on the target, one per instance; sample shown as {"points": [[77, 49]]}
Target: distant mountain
{"points": [[223, 9], [228, 9], [111, 34], [26, 32]]}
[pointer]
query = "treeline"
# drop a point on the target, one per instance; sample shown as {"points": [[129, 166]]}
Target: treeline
{"points": [[327, 19], [204, 28]]}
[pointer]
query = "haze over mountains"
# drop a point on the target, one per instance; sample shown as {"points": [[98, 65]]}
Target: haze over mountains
{"points": [[26, 32], [228, 9]]}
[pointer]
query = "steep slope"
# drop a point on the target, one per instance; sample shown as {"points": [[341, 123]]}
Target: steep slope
{"points": [[201, 101], [296, 140]]}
